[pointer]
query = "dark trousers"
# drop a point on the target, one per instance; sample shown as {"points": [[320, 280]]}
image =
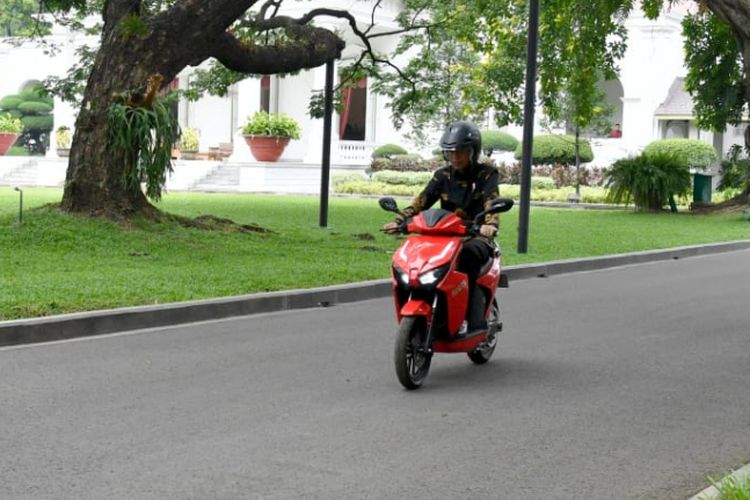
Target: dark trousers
{"points": [[474, 254]]}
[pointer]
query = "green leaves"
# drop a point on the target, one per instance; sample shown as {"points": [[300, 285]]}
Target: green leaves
{"points": [[714, 78], [557, 149], [9, 124], [650, 181], [145, 137], [262, 123]]}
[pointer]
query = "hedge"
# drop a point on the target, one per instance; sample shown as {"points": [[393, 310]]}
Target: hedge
{"points": [[406, 178], [34, 108], [10, 102], [33, 95], [690, 153], [388, 150], [557, 149], [402, 164], [37, 122], [494, 140]]}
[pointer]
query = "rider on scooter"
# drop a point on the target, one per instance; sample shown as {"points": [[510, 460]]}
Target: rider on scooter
{"points": [[464, 187]]}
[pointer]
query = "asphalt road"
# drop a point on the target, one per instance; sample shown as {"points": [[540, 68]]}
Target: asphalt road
{"points": [[625, 383]]}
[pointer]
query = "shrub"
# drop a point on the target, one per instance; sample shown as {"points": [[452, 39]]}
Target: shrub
{"points": [[557, 149], [34, 108], [494, 140], [10, 124], [735, 170], [539, 182], [690, 153], [62, 137], [35, 96], [405, 164], [388, 150], [406, 157], [42, 123], [189, 141], [10, 102], [406, 178], [262, 123], [650, 181]]}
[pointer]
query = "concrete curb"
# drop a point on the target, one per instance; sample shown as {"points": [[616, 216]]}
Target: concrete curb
{"points": [[67, 326], [711, 493]]}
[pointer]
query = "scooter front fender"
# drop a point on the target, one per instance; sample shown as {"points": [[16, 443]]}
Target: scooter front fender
{"points": [[416, 308]]}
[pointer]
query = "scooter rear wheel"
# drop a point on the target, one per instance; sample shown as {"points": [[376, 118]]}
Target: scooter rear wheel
{"points": [[411, 360], [483, 353]]}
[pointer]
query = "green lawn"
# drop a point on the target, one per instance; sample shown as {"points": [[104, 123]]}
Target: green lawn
{"points": [[56, 263]]}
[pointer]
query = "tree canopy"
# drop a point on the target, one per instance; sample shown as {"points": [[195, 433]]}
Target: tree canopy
{"points": [[475, 53]]}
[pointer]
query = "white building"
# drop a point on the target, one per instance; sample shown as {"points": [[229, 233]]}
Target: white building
{"points": [[648, 98]]}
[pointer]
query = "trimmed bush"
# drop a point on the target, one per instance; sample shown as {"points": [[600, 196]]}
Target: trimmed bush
{"points": [[10, 102], [34, 96], [494, 140], [690, 153], [401, 164], [43, 123], [650, 181], [557, 149], [406, 178], [542, 183], [34, 108], [388, 150], [406, 157]]}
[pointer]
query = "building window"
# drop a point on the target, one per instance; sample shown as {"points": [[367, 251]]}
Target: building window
{"points": [[265, 94], [352, 120]]}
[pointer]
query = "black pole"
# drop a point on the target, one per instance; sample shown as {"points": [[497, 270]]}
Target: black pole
{"points": [[325, 173], [528, 127], [20, 205]]}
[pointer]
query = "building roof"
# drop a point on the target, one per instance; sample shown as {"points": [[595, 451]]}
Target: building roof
{"points": [[678, 103]]}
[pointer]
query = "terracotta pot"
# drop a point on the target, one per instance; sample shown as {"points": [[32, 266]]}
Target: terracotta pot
{"points": [[266, 148], [6, 141]]}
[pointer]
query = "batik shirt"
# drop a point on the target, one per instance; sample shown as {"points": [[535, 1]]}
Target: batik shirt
{"points": [[465, 194]]}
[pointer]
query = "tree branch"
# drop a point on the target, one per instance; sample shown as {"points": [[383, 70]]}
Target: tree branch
{"points": [[316, 48]]}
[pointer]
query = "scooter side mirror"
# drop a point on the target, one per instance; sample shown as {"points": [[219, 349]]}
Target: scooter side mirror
{"points": [[498, 206], [389, 204]]}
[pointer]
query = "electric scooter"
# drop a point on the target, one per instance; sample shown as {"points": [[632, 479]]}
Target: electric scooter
{"points": [[432, 297]]}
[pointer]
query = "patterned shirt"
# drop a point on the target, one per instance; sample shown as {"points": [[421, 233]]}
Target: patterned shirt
{"points": [[466, 194]]}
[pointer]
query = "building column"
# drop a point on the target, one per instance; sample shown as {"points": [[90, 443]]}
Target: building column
{"points": [[246, 102]]}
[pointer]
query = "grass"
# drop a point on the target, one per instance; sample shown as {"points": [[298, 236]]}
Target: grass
{"points": [[57, 263], [732, 488]]}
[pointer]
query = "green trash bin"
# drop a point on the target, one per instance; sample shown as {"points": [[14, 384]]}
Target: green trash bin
{"points": [[701, 189]]}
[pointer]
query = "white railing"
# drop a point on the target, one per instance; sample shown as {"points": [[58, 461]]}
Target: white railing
{"points": [[355, 152]]}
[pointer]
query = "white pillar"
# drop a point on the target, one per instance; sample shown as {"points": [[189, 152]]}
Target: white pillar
{"points": [[247, 103]]}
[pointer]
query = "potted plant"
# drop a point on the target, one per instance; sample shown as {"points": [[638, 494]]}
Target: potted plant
{"points": [[189, 144], [10, 128], [62, 140], [268, 134]]}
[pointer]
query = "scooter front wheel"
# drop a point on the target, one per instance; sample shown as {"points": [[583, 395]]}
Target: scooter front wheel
{"points": [[411, 359]]}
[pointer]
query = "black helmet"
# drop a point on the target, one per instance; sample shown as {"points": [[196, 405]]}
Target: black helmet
{"points": [[461, 135]]}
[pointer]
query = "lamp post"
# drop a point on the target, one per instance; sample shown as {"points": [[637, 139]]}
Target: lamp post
{"points": [[326, 163], [528, 127], [20, 204]]}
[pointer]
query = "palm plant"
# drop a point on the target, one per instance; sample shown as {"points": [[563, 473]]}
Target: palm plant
{"points": [[649, 181]]}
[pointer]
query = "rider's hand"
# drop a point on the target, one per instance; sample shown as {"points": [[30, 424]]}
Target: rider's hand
{"points": [[392, 228], [488, 231]]}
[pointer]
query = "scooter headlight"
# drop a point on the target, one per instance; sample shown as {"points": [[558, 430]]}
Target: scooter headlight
{"points": [[401, 276], [433, 276]]}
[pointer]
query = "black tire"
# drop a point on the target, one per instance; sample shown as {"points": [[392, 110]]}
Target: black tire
{"points": [[484, 352], [411, 360]]}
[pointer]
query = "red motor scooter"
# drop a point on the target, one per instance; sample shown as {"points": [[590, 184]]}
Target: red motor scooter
{"points": [[432, 296]]}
